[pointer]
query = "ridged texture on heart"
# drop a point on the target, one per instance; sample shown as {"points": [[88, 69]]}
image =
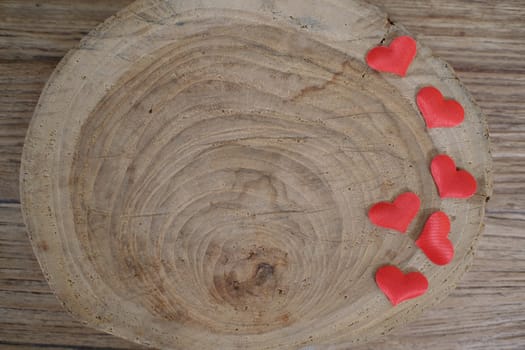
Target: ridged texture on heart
{"points": [[397, 215], [395, 58], [450, 182], [434, 241], [437, 111], [398, 286]]}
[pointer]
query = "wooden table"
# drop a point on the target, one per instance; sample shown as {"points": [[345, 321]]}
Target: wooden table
{"points": [[483, 40]]}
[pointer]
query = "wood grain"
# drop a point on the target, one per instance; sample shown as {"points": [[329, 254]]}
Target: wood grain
{"points": [[198, 176], [490, 297]]}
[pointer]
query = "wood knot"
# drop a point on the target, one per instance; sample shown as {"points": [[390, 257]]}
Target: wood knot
{"points": [[264, 273]]}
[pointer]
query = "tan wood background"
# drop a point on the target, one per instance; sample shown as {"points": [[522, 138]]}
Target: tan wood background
{"points": [[483, 40]]}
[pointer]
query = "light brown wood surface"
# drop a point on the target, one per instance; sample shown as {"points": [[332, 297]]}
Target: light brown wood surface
{"points": [[197, 175], [467, 318]]}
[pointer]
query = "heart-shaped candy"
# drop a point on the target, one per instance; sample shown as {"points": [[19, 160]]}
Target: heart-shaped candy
{"points": [[395, 58], [451, 183], [398, 286], [434, 241], [397, 215], [438, 111]]}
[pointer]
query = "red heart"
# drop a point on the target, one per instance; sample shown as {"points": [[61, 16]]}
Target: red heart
{"points": [[397, 215], [399, 287], [437, 111], [451, 183], [434, 241], [396, 58]]}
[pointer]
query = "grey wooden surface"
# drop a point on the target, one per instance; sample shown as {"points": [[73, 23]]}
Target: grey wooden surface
{"points": [[483, 40]]}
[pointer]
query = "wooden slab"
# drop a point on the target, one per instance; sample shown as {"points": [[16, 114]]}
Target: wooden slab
{"points": [[323, 98]]}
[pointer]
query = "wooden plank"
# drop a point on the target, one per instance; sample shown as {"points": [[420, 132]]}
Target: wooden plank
{"points": [[483, 40], [30, 314], [46, 30], [20, 85]]}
